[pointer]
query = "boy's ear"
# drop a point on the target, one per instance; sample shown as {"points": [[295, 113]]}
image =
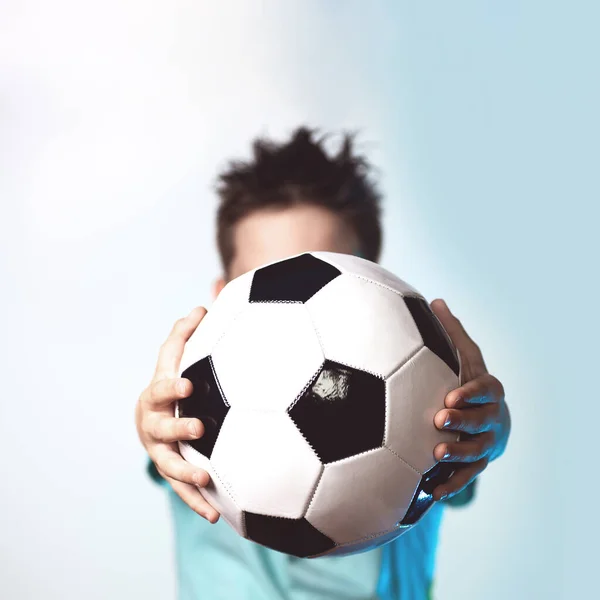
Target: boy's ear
{"points": [[218, 285]]}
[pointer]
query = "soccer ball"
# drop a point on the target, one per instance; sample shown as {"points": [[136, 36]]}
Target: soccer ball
{"points": [[317, 379]]}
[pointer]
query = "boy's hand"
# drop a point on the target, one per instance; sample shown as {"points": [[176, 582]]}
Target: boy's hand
{"points": [[476, 409], [158, 428]]}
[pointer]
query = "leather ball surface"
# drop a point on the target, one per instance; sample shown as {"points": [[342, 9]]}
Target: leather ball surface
{"points": [[317, 379]]}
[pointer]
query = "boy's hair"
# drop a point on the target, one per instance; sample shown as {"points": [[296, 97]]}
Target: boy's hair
{"points": [[300, 171]]}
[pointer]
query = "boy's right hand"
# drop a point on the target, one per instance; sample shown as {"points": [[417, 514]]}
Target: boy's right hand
{"points": [[158, 428]]}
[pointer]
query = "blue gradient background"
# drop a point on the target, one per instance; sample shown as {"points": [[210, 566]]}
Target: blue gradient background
{"points": [[483, 119]]}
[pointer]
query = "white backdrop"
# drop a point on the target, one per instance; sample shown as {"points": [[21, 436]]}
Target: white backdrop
{"points": [[114, 118]]}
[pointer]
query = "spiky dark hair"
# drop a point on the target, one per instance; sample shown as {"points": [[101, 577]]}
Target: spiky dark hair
{"points": [[300, 171]]}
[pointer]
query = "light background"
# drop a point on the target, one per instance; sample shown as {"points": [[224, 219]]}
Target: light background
{"points": [[114, 117]]}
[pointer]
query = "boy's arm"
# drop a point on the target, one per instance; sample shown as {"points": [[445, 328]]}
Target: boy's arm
{"points": [[464, 497], [154, 474]]}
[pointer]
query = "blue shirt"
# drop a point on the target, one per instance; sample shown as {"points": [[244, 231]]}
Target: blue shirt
{"points": [[215, 563]]}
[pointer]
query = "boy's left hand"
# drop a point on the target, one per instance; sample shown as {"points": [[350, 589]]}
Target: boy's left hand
{"points": [[476, 409]]}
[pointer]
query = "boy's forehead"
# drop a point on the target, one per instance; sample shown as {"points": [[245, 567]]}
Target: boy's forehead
{"points": [[272, 234]]}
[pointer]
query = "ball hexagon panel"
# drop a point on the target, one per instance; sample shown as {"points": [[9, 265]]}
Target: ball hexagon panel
{"points": [[293, 536], [266, 464], [342, 412], [294, 279], [433, 334], [215, 492], [230, 302], [267, 356], [366, 269], [362, 496], [370, 542], [423, 498], [205, 403], [364, 325], [412, 402]]}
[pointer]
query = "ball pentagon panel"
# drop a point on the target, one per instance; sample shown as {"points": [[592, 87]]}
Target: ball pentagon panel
{"points": [[433, 334], [342, 412], [423, 498], [294, 279], [292, 536], [206, 403]]}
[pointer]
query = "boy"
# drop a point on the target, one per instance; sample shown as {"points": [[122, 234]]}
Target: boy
{"points": [[291, 198]]}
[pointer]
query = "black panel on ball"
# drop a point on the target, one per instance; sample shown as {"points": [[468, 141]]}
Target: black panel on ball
{"points": [[292, 536], [293, 280], [432, 332], [342, 413], [423, 499], [206, 403]]}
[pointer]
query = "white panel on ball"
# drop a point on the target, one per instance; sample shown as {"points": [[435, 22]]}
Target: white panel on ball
{"points": [[360, 267], [266, 464], [215, 492], [363, 325], [412, 402], [267, 357], [363, 495], [370, 543], [230, 302]]}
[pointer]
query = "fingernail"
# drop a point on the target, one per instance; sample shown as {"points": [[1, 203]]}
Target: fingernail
{"points": [[193, 429], [443, 495], [446, 455], [447, 422], [199, 478], [181, 387]]}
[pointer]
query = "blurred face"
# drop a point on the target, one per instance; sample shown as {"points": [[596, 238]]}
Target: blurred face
{"points": [[268, 235]]}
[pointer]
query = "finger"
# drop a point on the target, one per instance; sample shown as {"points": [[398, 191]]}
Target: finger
{"points": [[460, 338], [164, 392], [485, 389], [194, 499], [459, 480], [465, 451], [172, 349], [170, 429], [468, 420], [170, 464]]}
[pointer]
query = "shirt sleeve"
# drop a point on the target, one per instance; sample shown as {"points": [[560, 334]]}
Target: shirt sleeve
{"points": [[465, 497], [154, 474]]}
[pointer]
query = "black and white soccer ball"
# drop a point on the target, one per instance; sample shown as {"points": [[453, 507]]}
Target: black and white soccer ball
{"points": [[317, 379]]}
